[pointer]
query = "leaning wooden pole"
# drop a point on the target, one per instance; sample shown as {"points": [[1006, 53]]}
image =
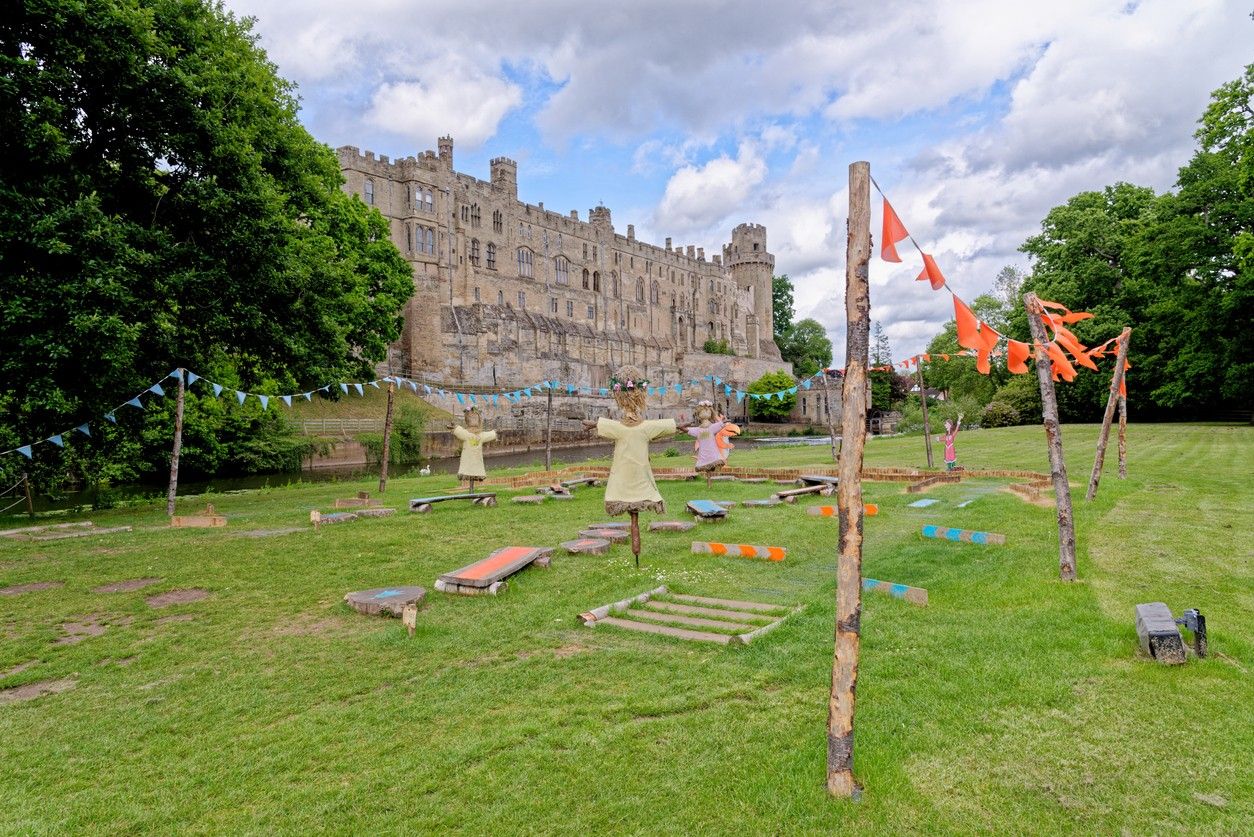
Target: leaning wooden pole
{"points": [[178, 444], [1053, 437], [1116, 381], [548, 433], [927, 430], [831, 422], [387, 438], [849, 509], [30, 502], [1123, 437]]}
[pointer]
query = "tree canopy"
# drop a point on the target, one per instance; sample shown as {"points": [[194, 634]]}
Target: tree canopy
{"points": [[804, 344], [162, 206], [772, 409], [781, 306]]}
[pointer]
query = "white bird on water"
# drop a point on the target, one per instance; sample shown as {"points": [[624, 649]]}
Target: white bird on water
{"points": [[424, 471]]}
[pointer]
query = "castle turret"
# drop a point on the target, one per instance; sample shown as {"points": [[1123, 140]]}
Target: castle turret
{"points": [[752, 268], [599, 217], [446, 152], [505, 176]]}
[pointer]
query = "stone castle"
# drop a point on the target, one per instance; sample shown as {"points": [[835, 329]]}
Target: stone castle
{"points": [[508, 293]]}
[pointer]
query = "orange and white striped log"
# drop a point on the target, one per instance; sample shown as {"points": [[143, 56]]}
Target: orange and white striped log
{"points": [[869, 509], [742, 550]]}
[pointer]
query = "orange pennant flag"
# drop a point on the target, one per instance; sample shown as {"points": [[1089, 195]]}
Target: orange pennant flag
{"points": [[1123, 387], [1016, 356], [932, 273], [1066, 316], [894, 231], [927, 357], [1062, 366], [988, 339], [945, 357]]}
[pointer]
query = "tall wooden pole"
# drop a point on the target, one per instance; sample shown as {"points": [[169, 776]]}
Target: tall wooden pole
{"points": [[1053, 437], [831, 422], [1116, 379], [387, 438], [178, 445], [1123, 438], [840, 704], [30, 502], [548, 434], [927, 429]]}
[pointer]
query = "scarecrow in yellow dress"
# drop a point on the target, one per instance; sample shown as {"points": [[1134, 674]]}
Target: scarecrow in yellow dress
{"points": [[630, 488], [473, 437]]}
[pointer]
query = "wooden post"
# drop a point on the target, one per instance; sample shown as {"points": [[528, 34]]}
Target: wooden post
{"points": [[635, 536], [1053, 437], [849, 508], [1123, 438], [831, 424], [927, 430], [178, 445], [1116, 380], [548, 434], [387, 438], [30, 503]]}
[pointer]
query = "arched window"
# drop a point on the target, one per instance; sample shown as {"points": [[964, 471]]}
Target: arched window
{"points": [[474, 215], [585, 278], [474, 251], [639, 290], [561, 268], [711, 286], [368, 191], [424, 200], [428, 241], [525, 262], [654, 293], [614, 284], [500, 295], [498, 223], [711, 325], [596, 281], [491, 256]]}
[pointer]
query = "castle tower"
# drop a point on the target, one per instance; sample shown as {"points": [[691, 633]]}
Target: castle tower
{"points": [[751, 267], [446, 152], [505, 176]]}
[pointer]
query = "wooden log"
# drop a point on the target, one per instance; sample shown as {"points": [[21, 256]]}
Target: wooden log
{"points": [[591, 617], [824, 489], [197, 521], [840, 703], [1053, 438], [744, 550], [178, 444], [1116, 380], [914, 595], [1123, 438], [944, 533], [1157, 631], [927, 430], [387, 439]]}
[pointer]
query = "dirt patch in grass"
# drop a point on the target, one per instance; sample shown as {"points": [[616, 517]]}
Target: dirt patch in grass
{"points": [[36, 690], [76, 632], [569, 650], [177, 597], [126, 586], [19, 589], [19, 668]]}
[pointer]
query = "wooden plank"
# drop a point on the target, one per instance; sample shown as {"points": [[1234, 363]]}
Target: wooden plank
{"points": [[676, 619], [819, 479], [706, 509], [945, 533], [671, 525], [86, 533], [197, 521], [1157, 631], [697, 610], [426, 501], [678, 633], [500, 564], [742, 550], [732, 604]]}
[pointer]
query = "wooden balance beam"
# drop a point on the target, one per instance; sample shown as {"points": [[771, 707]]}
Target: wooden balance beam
{"points": [[914, 595], [744, 550], [791, 495], [422, 505], [488, 575], [361, 501], [965, 535], [869, 509]]}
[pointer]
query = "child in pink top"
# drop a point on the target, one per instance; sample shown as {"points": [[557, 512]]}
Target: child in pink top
{"points": [[951, 433]]}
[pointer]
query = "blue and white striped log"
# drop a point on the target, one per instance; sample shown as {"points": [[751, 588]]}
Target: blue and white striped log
{"points": [[914, 595], [966, 535]]}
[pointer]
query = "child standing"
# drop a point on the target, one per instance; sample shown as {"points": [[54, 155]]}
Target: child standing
{"points": [[951, 433]]}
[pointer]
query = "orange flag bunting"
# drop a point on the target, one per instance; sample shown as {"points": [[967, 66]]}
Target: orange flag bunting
{"points": [[968, 325], [1066, 316], [894, 231], [932, 273], [1062, 366], [988, 339], [1016, 356]]}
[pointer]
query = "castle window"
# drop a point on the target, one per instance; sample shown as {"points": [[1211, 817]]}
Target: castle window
{"points": [[711, 286], [423, 198], [474, 215], [498, 223], [474, 251], [522, 230], [559, 241], [585, 250], [561, 268], [639, 290], [525, 262], [424, 240], [596, 281], [368, 191], [552, 305], [465, 212], [614, 282], [570, 309], [585, 278], [653, 294], [500, 297], [591, 313], [491, 256], [522, 299], [476, 294], [594, 252]]}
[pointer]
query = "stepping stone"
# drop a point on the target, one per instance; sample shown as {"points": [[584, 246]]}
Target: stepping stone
{"points": [[587, 546], [706, 510], [375, 512], [727, 504], [385, 601], [30, 587], [923, 504], [530, 499], [671, 525], [561, 496], [489, 574], [319, 519], [759, 504], [611, 535]]}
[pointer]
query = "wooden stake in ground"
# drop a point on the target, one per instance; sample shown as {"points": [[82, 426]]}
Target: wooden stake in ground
{"points": [[178, 444], [1123, 438], [849, 509], [927, 430], [387, 439], [635, 536], [548, 434], [1053, 437], [1116, 380], [831, 423]]}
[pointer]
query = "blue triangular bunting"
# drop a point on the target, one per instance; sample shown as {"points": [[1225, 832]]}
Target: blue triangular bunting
{"points": [[157, 389], [241, 396], [217, 390], [177, 375], [287, 399], [135, 402], [344, 388], [24, 450], [192, 377], [360, 390], [111, 417], [461, 399], [265, 401], [56, 440], [84, 429], [375, 384]]}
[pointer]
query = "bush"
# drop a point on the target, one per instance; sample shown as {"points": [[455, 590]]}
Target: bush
{"points": [[772, 409], [671, 451], [717, 347], [408, 428], [999, 414], [1022, 392]]}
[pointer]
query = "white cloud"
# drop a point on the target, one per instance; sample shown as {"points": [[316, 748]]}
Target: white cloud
{"points": [[457, 100], [697, 197]]}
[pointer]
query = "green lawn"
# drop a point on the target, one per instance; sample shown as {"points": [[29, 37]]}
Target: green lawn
{"points": [[1014, 703]]}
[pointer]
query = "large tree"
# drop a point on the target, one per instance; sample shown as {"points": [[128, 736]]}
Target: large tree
{"points": [[807, 348], [162, 206], [781, 306]]}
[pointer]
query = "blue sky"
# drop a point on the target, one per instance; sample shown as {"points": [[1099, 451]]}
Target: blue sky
{"points": [[687, 118]]}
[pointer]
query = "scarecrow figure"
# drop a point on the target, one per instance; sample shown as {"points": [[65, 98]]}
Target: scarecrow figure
{"points": [[709, 460], [473, 437]]}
